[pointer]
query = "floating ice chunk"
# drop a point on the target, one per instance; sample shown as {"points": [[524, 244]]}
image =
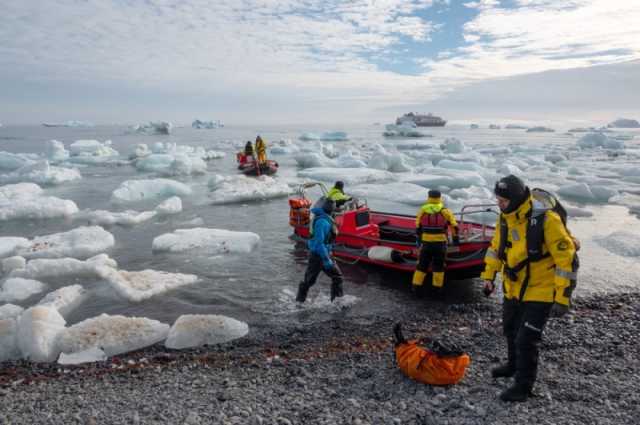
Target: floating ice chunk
{"points": [[82, 242], [55, 151], [141, 151], [227, 190], [20, 190], [587, 193], [214, 155], [574, 212], [595, 140], [19, 289], [11, 161], [453, 179], [350, 176], [193, 330], [621, 243], [602, 193], [159, 127], [540, 129], [460, 165], [452, 145], [108, 218], [42, 173], [472, 192], [36, 208], [283, 147], [624, 123], [209, 125], [91, 355], [170, 206], [38, 330], [8, 311], [155, 163], [85, 146], [13, 263], [184, 165], [64, 267], [406, 129], [65, 299], [381, 159], [10, 245], [140, 190], [113, 334], [8, 339], [406, 193], [92, 152], [327, 136], [313, 159], [206, 241], [414, 146], [141, 285], [194, 222], [555, 157], [349, 160]]}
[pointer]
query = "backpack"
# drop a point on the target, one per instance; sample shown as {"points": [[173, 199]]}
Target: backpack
{"points": [[543, 201]]}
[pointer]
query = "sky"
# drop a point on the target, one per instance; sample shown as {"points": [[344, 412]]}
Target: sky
{"points": [[318, 61]]}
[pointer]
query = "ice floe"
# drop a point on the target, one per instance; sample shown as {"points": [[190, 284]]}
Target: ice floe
{"points": [[193, 330], [19, 289], [326, 136], [621, 243], [595, 140], [350, 176], [55, 151], [140, 285], [453, 145], [406, 193], [63, 267], [65, 299], [587, 193], [381, 159], [208, 125], [406, 129], [13, 263], [206, 241], [112, 334], [350, 159], [447, 179], [38, 331], [81, 242], [170, 206], [540, 129], [149, 189], [227, 190], [9, 245], [157, 127], [41, 172], [9, 315], [12, 161]]}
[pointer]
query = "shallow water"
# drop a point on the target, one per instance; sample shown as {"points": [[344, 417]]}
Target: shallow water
{"points": [[259, 288]]}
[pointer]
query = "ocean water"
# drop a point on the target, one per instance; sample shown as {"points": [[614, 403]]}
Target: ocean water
{"points": [[259, 288]]}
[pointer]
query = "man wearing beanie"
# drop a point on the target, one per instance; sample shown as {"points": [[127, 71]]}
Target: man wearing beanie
{"points": [[535, 254], [432, 222]]}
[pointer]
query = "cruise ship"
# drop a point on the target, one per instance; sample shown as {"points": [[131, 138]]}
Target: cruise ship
{"points": [[421, 120]]}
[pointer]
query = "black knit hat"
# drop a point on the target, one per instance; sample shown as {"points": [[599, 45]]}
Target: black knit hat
{"points": [[434, 193], [328, 206], [339, 185], [513, 189]]}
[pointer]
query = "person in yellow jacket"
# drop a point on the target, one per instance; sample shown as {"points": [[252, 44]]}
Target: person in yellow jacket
{"points": [[432, 222], [261, 150], [538, 278], [337, 195]]}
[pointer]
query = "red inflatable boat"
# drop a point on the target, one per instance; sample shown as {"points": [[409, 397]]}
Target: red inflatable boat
{"points": [[248, 166], [389, 240]]}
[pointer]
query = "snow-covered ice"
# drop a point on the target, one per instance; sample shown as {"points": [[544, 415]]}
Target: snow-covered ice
{"points": [[91, 355], [350, 176], [26, 201], [209, 125], [405, 193], [65, 299], [326, 136], [169, 206], [41, 172], [149, 189], [453, 145], [154, 127], [381, 159], [63, 267], [141, 285], [11, 161], [55, 151], [112, 334], [206, 241], [196, 330], [81, 242], [227, 189], [10, 245], [19, 289], [38, 330], [406, 129]]}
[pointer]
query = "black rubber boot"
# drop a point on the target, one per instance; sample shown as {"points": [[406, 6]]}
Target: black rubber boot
{"points": [[506, 370], [336, 290], [517, 392], [397, 334], [302, 292]]}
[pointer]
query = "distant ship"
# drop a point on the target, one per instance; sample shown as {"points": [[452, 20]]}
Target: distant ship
{"points": [[421, 120]]}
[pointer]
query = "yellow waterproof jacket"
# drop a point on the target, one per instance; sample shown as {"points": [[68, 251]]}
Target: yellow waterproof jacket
{"points": [[336, 194], [427, 367], [548, 278], [433, 206]]}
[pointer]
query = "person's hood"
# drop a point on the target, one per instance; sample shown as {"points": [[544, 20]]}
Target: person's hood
{"points": [[319, 212]]}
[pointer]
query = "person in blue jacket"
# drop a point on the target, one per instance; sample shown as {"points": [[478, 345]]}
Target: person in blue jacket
{"points": [[323, 233]]}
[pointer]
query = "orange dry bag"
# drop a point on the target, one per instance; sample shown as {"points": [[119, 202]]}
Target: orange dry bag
{"points": [[428, 367]]}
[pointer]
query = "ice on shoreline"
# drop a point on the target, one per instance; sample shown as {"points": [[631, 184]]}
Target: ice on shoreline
{"points": [[206, 241], [81, 242], [65, 299], [37, 333], [196, 330], [63, 267], [137, 286]]}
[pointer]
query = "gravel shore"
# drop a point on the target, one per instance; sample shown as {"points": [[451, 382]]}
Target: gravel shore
{"points": [[342, 371]]}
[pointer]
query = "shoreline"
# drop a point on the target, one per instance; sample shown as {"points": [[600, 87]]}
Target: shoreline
{"points": [[343, 371]]}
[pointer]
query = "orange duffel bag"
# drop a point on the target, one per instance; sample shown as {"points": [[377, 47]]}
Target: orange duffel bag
{"points": [[444, 368]]}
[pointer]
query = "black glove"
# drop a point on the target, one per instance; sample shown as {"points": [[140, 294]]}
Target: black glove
{"points": [[559, 310], [488, 288], [456, 240]]}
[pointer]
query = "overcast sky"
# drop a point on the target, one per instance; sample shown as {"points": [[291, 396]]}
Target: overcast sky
{"points": [[318, 61]]}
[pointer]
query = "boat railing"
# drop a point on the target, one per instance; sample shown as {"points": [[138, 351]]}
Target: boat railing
{"points": [[472, 209]]}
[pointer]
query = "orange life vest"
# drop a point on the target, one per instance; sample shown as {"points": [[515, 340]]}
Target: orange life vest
{"points": [[433, 223], [427, 367]]}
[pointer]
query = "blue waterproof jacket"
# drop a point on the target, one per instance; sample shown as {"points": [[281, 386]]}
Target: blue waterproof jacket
{"points": [[318, 244]]}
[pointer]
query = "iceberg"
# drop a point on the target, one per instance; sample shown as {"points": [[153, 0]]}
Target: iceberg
{"points": [[209, 125], [38, 330], [64, 267], [19, 289], [65, 299], [227, 190], [333, 136], [141, 190], [540, 129], [141, 285], [453, 145], [206, 241], [82, 242], [350, 176], [624, 123], [112, 334], [9, 311], [599, 140], [195, 330], [159, 127], [515, 127], [406, 129], [70, 123], [41, 172], [381, 159]]}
